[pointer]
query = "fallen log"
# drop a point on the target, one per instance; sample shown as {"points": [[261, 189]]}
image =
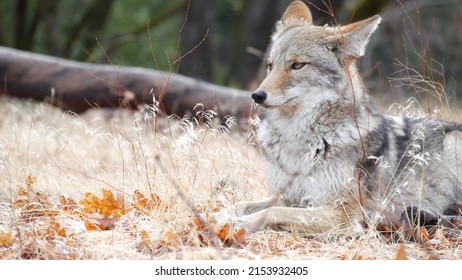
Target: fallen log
{"points": [[78, 86]]}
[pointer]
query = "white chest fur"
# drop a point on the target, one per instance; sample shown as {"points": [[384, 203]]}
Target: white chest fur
{"points": [[311, 162]]}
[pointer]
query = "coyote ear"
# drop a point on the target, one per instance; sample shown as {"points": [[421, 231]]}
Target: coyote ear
{"points": [[296, 12], [355, 36]]}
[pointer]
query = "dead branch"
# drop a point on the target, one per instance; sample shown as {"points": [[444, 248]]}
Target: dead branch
{"points": [[78, 86]]}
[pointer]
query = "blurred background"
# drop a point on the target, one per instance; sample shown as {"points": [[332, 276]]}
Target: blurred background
{"points": [[416, 50]]}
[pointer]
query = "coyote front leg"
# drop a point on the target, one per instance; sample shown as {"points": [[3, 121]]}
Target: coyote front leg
{"points": [[273, 213], [243, 208], [308, 220]]}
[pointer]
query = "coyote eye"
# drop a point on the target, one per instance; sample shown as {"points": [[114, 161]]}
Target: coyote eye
{"points": [[269, 66], [298, 65]]}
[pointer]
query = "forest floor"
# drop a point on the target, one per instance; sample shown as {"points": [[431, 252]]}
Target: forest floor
{"points": [[126, 185]]}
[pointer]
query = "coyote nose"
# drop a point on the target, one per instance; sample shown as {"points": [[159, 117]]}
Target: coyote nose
{"points": [[259, 96]]}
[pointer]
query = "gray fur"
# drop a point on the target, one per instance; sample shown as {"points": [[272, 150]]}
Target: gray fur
{"points": [[333, 158]]}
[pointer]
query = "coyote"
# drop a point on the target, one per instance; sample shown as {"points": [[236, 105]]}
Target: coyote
{"points": [[333, 158]]}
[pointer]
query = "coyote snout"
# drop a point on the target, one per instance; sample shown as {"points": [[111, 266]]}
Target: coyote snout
{"points": [[259, 96], [332, 157]]}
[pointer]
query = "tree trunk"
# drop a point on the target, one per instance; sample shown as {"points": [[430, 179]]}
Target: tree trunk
{"points": [[200, 20], [79, 86], [260, 17]]}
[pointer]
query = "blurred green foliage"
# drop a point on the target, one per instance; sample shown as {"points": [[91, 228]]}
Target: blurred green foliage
{"points": [[87, 29], [226, 39]]}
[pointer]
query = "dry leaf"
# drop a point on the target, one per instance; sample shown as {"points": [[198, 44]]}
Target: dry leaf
{"points": [[90, 225], [239, 236], [102, 214], [439, 240], [145, 205], [425, 237], [171, 237], [25, 192], [224, 233], [197, 221], [171, 241], [206, 234], [68, 205], [145, 239], [109, 206], [145, 242], [402, 254], [33, 204], [57, 230], [6, 239], [229, 238]]}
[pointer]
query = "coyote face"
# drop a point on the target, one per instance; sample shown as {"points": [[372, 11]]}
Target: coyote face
{"points": [[332, 157], [308, 63]]}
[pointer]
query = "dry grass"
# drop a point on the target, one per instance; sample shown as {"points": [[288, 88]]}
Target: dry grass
{"points": [[196, 167]]}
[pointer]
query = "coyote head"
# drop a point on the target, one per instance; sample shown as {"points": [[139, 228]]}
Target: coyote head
{"points": [[308, 63]]}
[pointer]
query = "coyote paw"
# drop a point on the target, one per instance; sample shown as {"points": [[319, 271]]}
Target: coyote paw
{"points": [[246, 223], [242, 215], [224, 216]]}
